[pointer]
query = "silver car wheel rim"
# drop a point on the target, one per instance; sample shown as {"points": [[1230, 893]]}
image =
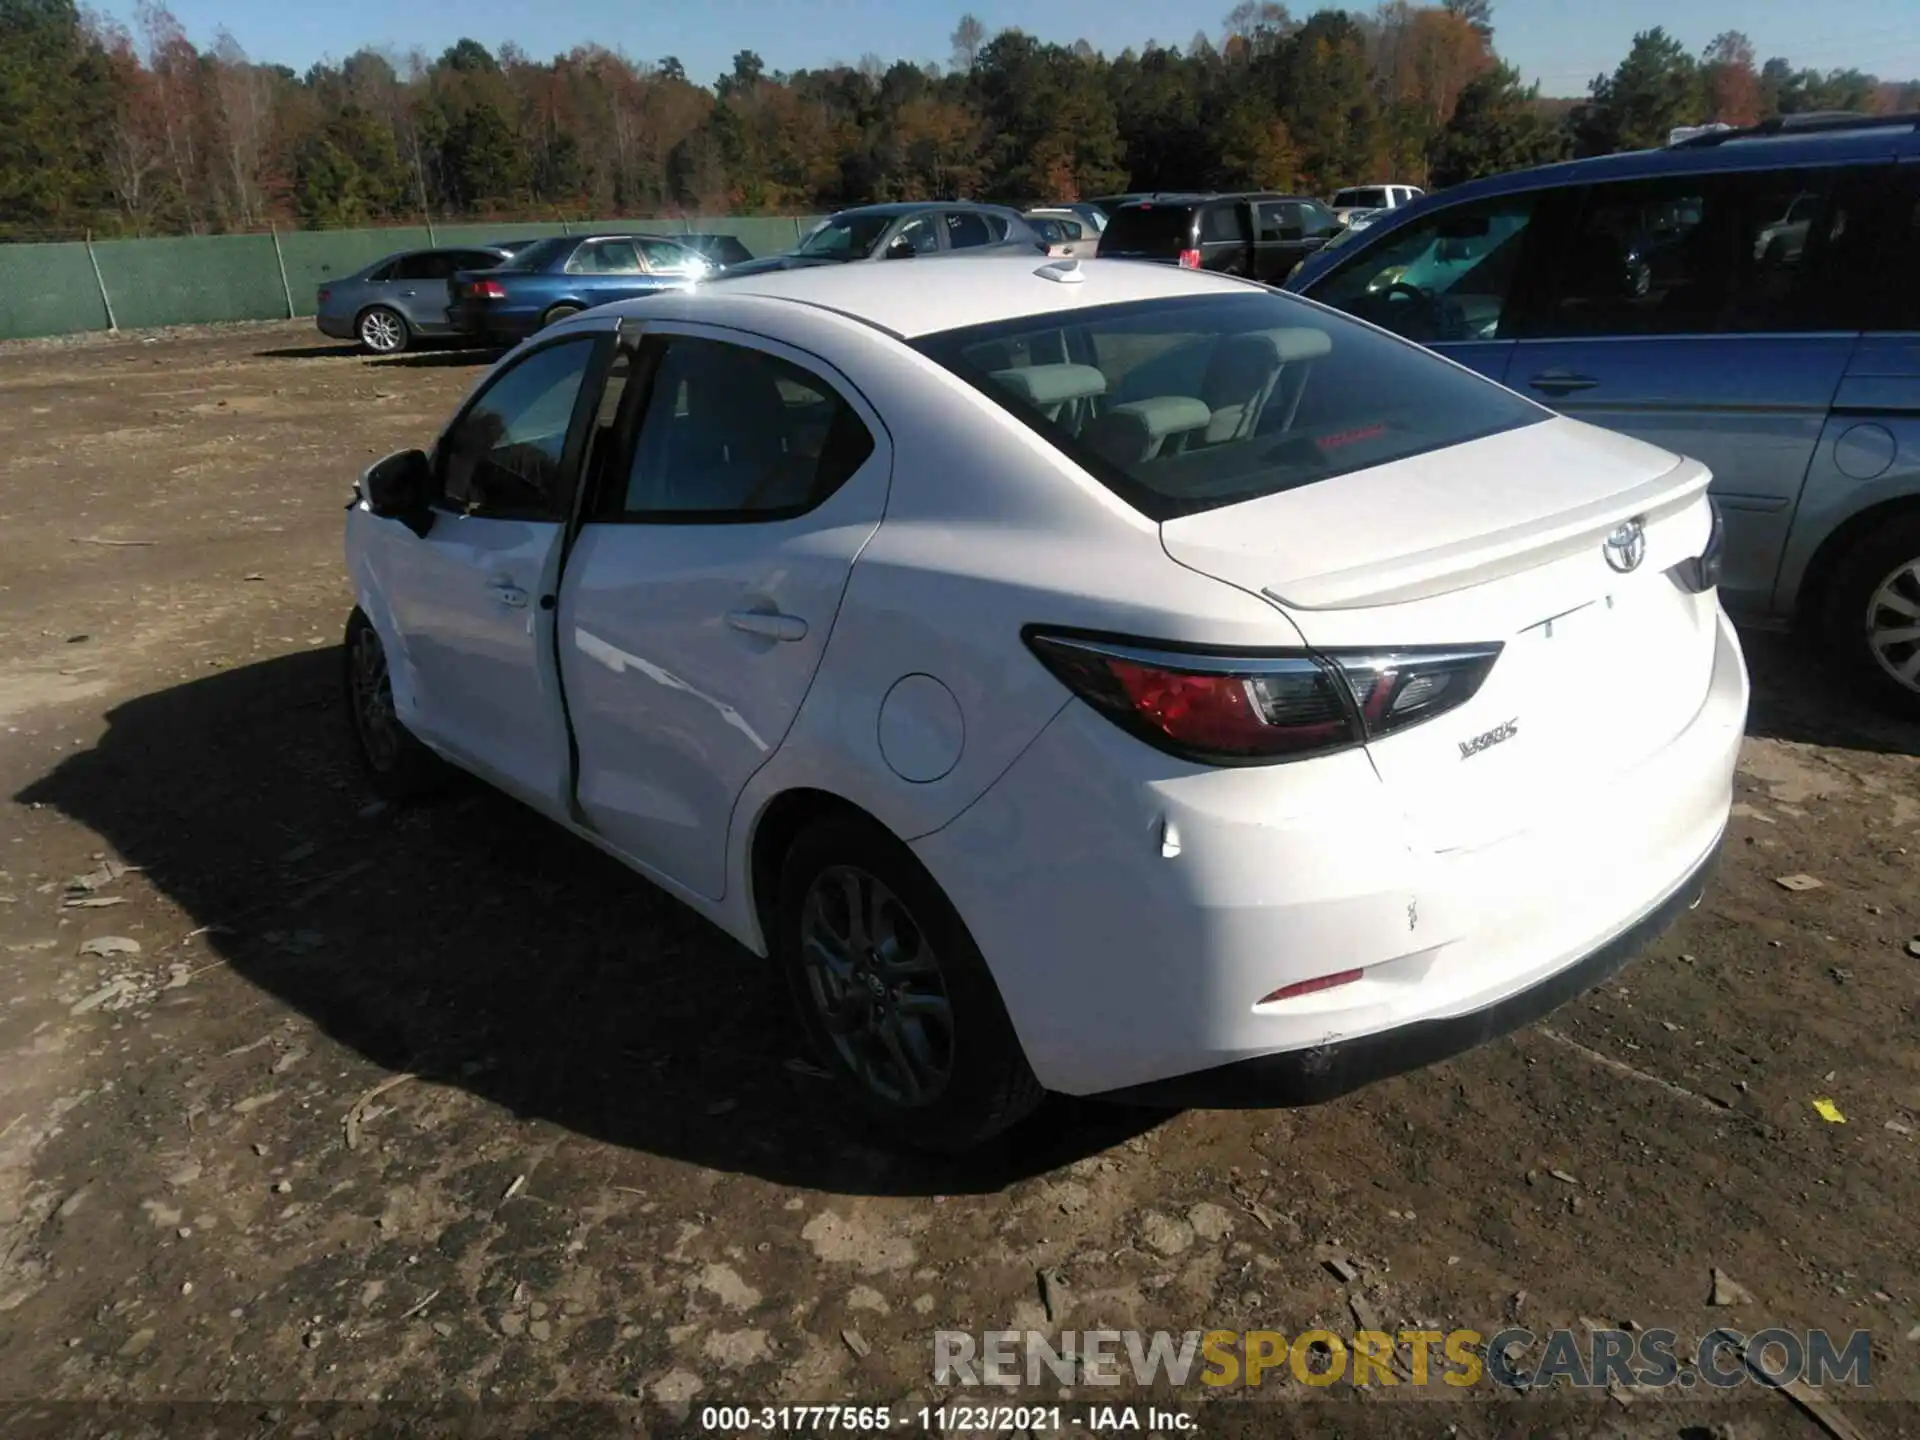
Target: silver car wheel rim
{"points": [[373, 713], [1893, 625], [380, 332], [875, 982]]}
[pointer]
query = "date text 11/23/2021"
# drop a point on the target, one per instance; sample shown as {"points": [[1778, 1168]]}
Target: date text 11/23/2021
{"points": [[813, 1420]]}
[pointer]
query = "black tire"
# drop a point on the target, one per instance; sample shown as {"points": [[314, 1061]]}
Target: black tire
{"points": [[1885, 560], [398, 766], [559, 313], [987, 1085], [382, 331]]}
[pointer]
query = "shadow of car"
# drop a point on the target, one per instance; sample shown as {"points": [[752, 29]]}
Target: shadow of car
{"points": [[543, 978]]}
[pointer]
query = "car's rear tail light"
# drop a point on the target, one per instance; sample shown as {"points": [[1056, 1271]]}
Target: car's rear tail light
{"points": [[1309, 987], [1189, 259], [325, 295], [1254, 709], [487, 290], [1395, 689]]}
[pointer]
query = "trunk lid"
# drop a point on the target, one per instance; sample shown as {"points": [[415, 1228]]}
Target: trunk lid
{"points": [[1502, 540]]}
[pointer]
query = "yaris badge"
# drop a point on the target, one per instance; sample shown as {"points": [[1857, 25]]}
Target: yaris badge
{"points": [[1626, 547]]}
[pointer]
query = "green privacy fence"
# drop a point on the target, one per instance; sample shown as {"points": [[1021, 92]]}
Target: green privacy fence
{"points": [[60, 289]]}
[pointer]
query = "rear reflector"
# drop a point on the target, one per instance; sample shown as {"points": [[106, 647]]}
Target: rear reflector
{"points": [[1309, 987], [1189, 259]]}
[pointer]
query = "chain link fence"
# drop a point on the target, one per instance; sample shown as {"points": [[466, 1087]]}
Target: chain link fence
{"points": [[65, 287]]}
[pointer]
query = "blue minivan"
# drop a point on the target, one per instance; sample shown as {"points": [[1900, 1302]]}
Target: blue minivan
{"points": [[1747, 297]]}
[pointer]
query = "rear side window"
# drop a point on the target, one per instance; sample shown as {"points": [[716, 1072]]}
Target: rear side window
{"points": [[1879, 252], [734, 434], [1220, 223], [1148, 230], [1700, 255], [1185, 405], [965, 229], [1370, 197]]}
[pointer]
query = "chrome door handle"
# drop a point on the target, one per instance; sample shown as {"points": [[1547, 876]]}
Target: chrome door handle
{"points": [[770, 623], [512, 596], [1561, 382]]}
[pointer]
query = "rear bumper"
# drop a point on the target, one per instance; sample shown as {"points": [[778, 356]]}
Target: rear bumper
{"points": [[1136, 911], [338, 327], [491, 324], [1326, 1072]]}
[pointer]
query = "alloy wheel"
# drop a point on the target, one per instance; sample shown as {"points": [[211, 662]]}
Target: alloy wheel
{"points": [[875, 982], [381, 332], [373, 713], [1893, 625]]}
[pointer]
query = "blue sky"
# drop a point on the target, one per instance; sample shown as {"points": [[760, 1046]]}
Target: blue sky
{"points": [[1561, 43]]}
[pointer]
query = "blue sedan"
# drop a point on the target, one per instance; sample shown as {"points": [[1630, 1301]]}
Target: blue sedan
{"points": [[564, 275]]}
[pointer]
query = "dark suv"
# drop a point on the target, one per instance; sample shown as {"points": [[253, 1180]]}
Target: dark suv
{"points": [[1261, 236]]}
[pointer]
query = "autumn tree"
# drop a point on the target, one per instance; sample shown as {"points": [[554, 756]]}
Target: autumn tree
{"points": [[1732, 83], [968, 36]]}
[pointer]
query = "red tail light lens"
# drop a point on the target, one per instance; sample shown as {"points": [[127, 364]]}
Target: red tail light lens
{"points": [[488, 290], [324, 295], [1189, 259], [1254, 709]]}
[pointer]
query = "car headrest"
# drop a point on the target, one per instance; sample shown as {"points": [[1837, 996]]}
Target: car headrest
{"points": [[1046, 386]]}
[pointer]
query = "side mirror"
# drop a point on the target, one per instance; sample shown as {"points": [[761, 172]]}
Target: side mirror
{"points": [[400, 487], [901, 249]]}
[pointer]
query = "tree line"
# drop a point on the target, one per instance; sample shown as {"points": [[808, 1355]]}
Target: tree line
{"points": [[141, 131]]}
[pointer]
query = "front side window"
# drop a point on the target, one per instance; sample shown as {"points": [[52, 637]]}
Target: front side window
{"points": [[1708, 254], [919, 236], [503, 456], [1187, 404], [732, 433], [1317, 219], [1280, 220], [1447, 278], [665, 257]]}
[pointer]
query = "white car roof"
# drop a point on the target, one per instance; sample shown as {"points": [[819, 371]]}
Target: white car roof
{"points": [[910, 299]]}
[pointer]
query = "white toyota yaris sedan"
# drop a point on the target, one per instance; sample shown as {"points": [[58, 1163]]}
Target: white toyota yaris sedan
{"points": [[1091, 677]]}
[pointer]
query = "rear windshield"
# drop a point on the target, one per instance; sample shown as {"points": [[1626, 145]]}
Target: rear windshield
{"points": [[1370, 197], [1148, 230], [1188, 404]]}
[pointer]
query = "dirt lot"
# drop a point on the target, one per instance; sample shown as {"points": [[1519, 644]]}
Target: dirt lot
{"points": [[440, 1104]]}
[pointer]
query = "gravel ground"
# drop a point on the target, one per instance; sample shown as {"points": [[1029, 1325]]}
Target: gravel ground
{"points": [[304, 1100]]}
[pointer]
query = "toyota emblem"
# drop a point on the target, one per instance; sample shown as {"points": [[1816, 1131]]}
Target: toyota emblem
{"points": [[1626, 547]]}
